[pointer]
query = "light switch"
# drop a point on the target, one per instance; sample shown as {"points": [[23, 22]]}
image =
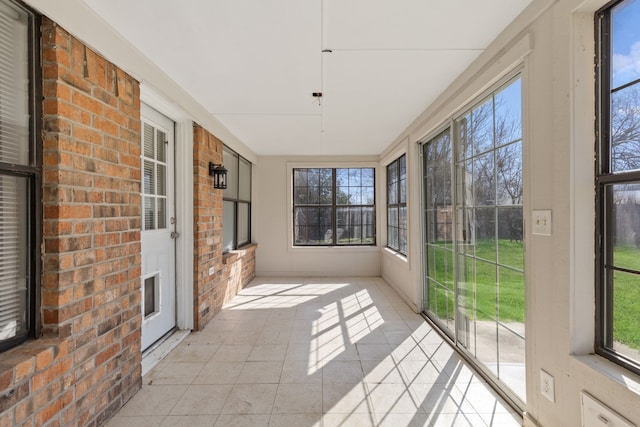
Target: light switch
{"points": [[541, 222]]}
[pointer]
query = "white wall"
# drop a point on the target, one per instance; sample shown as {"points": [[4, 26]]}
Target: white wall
{"points": [[552, 44], [273, 209]]}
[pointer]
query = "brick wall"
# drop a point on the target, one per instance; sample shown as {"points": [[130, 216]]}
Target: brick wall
{"points": [[87, 364], [231, 271]]}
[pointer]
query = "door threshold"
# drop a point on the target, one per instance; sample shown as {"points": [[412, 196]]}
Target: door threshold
{"points": [[161, 349]]}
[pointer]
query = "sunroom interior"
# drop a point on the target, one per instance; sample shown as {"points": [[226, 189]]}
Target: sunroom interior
{"points": [[479, 159]]}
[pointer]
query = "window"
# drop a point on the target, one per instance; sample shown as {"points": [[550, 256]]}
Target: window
{"points": [[397, 205], [474, 286], [236, 221], [334, 207], [618, 184], [20, 176]]}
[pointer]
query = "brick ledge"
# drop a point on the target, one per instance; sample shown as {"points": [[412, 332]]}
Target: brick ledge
{"points": [[233, 256]]}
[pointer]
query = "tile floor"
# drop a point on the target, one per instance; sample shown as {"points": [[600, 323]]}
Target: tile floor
{"points": [[315, 352]]}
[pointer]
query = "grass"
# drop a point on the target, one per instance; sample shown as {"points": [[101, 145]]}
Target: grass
{"points": [[492, 282], [626, 297]]}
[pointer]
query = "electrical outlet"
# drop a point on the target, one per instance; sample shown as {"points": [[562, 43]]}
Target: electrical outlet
{"points": [[212, 270], [546, 386], [541, 222]]}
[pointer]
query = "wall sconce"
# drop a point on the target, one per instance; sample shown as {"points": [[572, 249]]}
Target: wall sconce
{"points": [[219, 174]]}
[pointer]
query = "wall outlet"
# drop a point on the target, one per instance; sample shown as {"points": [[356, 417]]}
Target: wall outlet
{"points": [[546, 386], [212, 271]]}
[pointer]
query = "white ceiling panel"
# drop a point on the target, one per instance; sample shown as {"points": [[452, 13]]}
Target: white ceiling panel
{"points": [[253, 64], [416, 24], [370, 97], [279, 134]]}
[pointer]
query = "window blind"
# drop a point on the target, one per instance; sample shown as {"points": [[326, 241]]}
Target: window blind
{"points": [[14, 188]]}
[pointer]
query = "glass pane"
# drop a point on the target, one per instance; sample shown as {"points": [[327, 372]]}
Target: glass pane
{"points": [[403, 191], [625, 133], [626, 225], [368, 225], [392, 194], [484, 184], [325, 179], [392, 173], [243, 223], [486, 295], [508, 105], [481, 127], [14, 95], [464, 184], [150, 295], [162, 213], [463, 135], [626, 314], [355, 196], [148, 141], [230, 162], [149, 178], [161, 173], [509, 174], [392, 237], [511, 296], [245, 179], [14, 253], [485, 232], [625, 38], [312, 226], [228, 225], [512, 357], [368, 177], [510, 244], [161, 142], [149, 213]]}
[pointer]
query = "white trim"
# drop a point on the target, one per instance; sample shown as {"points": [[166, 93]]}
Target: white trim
{"points": [[183, 201], [184, 213]]}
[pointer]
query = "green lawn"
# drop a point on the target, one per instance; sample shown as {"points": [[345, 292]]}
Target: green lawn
{"points": [[626, 297], [483, 276]]}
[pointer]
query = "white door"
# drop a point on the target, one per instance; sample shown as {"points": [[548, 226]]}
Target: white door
{"points": [[158, 227]]}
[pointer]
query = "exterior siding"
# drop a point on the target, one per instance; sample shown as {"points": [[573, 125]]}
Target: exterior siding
{"points": [[231, 271], [87, 364]]}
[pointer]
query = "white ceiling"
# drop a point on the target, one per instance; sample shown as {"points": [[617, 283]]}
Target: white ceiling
{"points": [[254, 64]]}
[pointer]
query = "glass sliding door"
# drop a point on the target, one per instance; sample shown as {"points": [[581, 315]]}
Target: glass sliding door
{"points": [[439, 295], [487, 259]]}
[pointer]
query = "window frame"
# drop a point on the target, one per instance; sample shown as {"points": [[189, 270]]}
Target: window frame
{"points": [[399, 203], [33, 173], [334, 206], [237, 200], [605, 177]]}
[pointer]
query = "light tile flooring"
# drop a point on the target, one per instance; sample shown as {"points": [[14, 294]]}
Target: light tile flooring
{"points": [[315, 352]]}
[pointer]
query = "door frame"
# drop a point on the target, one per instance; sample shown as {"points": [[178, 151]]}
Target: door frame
{"points": [[183, 177]]}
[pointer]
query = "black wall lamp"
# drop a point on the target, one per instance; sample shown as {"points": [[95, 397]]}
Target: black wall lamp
{"points": [[219, 174]]}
